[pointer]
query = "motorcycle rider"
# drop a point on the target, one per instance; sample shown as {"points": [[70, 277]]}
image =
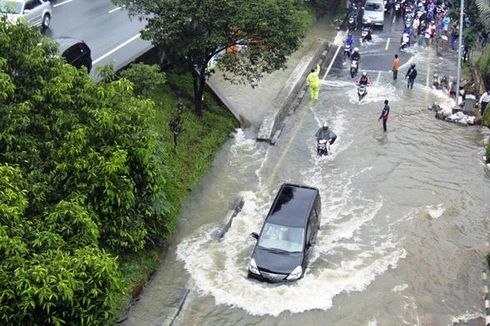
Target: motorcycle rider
{"points": [[326, 133], [363, 80], [355, 55], [349, 40], [411, 75]]}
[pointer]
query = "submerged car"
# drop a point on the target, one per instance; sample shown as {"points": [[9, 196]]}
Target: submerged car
{"points": [[289, 231], [34, 12], [76, 52], [374, 13]]}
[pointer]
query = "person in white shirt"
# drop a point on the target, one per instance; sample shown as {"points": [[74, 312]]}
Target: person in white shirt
{"points": [[484, 100]]}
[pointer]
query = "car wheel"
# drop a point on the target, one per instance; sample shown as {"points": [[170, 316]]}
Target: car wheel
{"points": [[46, 21]]}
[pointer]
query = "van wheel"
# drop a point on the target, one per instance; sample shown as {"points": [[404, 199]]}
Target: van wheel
{"points": [[46, 21]]}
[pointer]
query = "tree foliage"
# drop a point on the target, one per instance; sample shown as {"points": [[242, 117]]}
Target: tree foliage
{"points": [[191, 33], [81, 178]]}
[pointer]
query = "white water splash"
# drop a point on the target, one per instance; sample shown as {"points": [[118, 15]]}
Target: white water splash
{"points": [[400, 288], [435, 211]]}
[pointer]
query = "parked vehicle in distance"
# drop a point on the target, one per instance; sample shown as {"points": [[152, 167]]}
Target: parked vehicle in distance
{"points": [[76, 52], [289, 231], [374, 13], [34, 12]]}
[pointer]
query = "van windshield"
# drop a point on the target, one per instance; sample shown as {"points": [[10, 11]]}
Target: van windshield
{"points": [[371, 6], [290, 239]]}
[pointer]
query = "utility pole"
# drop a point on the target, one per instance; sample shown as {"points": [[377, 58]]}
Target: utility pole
{"points": [[460, 50]]}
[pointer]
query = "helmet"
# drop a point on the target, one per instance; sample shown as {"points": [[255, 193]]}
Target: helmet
{"points": [[325, 125], [356, 49], [364, 73], [413, 65]]}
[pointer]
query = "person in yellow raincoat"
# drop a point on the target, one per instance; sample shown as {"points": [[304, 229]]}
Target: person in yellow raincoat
{"points": [[314, 82]]}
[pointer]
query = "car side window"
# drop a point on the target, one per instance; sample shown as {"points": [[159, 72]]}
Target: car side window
{"points": [[31, 4]]}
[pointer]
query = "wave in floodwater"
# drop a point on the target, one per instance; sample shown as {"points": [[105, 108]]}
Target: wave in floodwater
{"points": [[344, 259]]}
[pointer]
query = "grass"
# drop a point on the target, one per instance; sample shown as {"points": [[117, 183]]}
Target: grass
{"points": [[187, 163]]}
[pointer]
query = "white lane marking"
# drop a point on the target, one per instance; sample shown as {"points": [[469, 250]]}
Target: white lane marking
{"points": [[394, 18], [331, 62], [377, 78], [116, 9], [62, 3], [387, 43], [116, 48]]}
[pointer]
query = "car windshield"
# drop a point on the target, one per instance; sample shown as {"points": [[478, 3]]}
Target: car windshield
{"points": [[10, 7], [281, 237], [373, 7]]}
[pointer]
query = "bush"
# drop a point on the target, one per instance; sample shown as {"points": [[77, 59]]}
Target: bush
{"points": [[145, 78], [487, 153]]}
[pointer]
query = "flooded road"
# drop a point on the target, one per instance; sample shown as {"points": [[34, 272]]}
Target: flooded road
{"points": [[404, 225]]}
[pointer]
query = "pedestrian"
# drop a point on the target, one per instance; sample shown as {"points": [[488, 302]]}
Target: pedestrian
{"points": [[384, 114], [314, 82], [395, 65], [411, 75], [484, 100]]}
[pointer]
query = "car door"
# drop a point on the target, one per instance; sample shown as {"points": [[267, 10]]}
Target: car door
{"points": [[33, 12]]}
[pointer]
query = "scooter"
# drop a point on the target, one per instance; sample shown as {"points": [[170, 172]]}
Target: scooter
{"points": [[405, 41], [322, 146], [366, 33], [397, 9], [347, 51], [361, 91], [351, 23], [354, 66]]}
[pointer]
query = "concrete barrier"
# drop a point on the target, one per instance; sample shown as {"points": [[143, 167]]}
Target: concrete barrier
{"points": [[282, 103]]}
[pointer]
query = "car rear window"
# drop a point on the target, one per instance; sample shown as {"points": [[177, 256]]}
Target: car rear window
{"points": [[371, 6]]}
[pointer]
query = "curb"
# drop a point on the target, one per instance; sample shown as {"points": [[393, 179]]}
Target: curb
{"points": [[282, 103]]}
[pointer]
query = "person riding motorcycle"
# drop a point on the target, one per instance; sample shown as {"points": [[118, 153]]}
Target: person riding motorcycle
{"points": [[364, 79], [326, 133], [349, 40], [355, 55]]}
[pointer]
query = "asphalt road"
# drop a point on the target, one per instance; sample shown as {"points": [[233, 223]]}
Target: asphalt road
{"points": [[107, 29]]}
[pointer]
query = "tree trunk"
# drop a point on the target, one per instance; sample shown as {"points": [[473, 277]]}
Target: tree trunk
{"points": [[197, 82]]}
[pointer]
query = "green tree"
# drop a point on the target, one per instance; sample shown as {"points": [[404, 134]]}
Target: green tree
{"points": [[81, 178], [190, 33]]}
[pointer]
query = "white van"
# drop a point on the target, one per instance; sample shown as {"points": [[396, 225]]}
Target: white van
{"points": [[374, 12]]}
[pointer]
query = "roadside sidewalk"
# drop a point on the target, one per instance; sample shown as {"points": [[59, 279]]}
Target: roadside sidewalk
{"points": [[251, 105]]}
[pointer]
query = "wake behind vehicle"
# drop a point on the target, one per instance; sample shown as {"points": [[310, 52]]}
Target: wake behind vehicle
{"points": [[33, 12], [289, 231]]}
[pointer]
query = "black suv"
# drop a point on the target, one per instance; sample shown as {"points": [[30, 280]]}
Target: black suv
{"points": [[289, 231], [75, 52]]}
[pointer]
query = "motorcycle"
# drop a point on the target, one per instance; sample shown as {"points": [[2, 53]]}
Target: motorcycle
{"points": [[361, 91], [405, 41], [366, 34], [322, 146], [347, 51], [397, 9], [354, 66], [351, 23]]}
